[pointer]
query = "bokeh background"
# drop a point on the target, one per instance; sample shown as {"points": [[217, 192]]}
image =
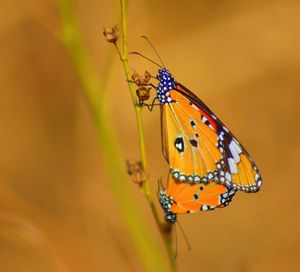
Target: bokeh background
{"points": [[57, 210]]}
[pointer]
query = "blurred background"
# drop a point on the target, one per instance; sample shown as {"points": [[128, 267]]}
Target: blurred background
{"points": [[57, 210]]}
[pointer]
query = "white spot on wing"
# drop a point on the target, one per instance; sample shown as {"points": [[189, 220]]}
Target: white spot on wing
{"points": [[235, 151], [179, 146], [197, 179], [232, 166], [238, 147], [182, 177], [228, 176], [204, 207]]}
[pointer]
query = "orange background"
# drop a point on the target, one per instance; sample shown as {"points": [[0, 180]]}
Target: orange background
{"points": [[57, 211]]}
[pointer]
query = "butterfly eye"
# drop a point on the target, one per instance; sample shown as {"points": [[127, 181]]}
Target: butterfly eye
{"points": [[159, 74]]}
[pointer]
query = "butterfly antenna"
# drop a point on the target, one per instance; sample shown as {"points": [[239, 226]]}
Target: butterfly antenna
{"points": [[141, 55], [176, 244], [185, 237], [150, 43]]}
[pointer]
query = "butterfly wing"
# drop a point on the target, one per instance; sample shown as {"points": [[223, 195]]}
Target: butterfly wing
{"points": [[189, 198], [199, 147]]}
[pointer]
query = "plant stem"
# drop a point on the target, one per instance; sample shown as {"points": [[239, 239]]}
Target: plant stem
{"points": [[165, 229], [147, 248]]}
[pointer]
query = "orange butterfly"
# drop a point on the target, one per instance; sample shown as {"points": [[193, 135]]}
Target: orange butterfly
{"points": [[197, 145], [207, 163]]}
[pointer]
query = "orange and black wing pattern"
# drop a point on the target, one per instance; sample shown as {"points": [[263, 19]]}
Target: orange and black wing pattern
{"points": [[197, 145], [180, 197]]}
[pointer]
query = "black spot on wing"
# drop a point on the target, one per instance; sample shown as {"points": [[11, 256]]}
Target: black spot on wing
{"points": [[193, 124], [179, 144], [193, 142]]}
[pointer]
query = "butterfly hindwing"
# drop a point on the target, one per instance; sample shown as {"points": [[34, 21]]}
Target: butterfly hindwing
{"points": [[198, 197]]}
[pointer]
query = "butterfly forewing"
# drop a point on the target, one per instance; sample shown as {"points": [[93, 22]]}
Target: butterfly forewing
{"points": [[199, 147], [189, 142]]}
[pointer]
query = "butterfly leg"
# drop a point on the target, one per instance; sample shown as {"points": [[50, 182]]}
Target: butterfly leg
{"points": [[154, 77], [142, 84], [148, 84], [150, 106]]}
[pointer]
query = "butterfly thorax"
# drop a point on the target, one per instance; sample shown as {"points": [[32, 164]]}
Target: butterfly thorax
{"points": [[166, 203], [166, 83]]}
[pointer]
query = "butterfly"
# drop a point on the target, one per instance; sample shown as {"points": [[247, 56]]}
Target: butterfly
{"points": [[207, 164], [197, 145]]}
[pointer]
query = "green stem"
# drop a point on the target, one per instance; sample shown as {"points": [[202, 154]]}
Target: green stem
{"points": [[137, 108], [165, 230], [147, 248]]}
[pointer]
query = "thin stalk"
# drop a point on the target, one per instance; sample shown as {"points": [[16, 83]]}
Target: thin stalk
{"points": [[137, 107], [165, 229], [147, 248]]}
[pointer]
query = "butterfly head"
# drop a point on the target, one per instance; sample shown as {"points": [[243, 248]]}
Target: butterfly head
{"points": [[163, 74], [166, 83], [166, 203]]}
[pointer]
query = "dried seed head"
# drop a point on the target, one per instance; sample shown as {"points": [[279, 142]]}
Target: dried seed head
{"points": [[111, 34], [143, 93], [136, 172], [137, 79], [141, 80]]}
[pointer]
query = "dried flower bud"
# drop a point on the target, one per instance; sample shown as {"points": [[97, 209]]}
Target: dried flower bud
{"points": [[141, 80], [136, 172], [111, 34], [136, 78], [147, 77], [143, 93]]}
